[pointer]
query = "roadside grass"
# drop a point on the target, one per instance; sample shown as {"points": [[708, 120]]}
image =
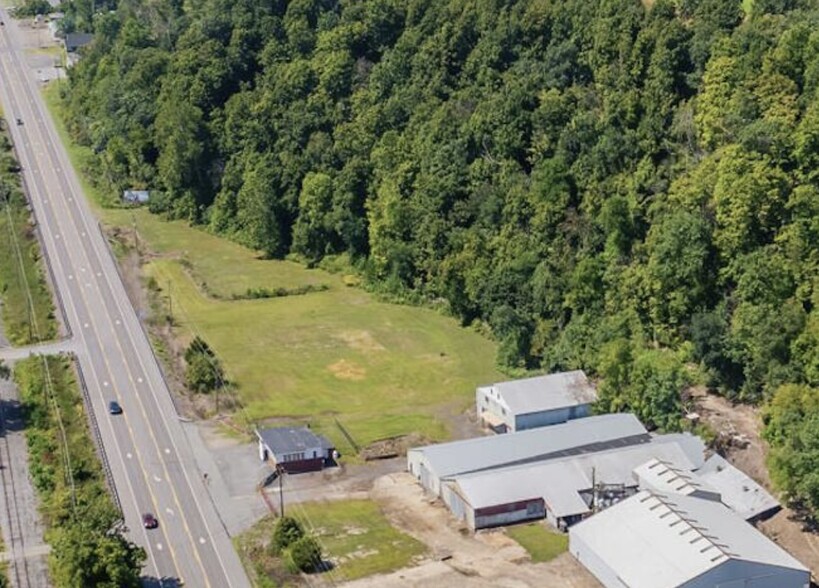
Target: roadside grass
{"points": [[44, 439], [541, 543], [4, 568], [265, 568], [354, 535], [220, 267], [23, 323], [50, 50], [357, 538], [57, 434], [81, 157]]}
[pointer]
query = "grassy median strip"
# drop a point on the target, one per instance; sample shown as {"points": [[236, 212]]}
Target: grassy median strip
{"points": [[21, 266], [82, 523]]}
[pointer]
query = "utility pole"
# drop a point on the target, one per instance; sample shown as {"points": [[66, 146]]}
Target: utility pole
{"points": [[280, 470], [594, 491], [136, 234], [170, 305]]}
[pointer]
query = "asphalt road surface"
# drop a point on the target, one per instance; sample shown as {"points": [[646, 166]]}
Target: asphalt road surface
{"points": [[150, 457]]}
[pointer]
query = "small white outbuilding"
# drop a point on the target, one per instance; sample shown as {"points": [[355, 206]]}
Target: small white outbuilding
{"points": [[517, 405]]}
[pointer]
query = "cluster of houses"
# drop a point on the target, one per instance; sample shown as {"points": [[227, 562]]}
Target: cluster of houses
{"points": [[641, 509]]}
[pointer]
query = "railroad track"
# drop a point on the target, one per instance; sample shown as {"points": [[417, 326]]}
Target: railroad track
{"points": [[15, 541]]}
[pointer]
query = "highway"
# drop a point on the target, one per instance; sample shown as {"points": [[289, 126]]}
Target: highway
{"points": [[150, 457]]}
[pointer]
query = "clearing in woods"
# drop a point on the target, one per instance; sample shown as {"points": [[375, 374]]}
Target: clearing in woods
{"points": [[381, 369]]}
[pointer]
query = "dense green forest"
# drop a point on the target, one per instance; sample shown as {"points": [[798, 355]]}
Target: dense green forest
{"points": [[621, 186]]}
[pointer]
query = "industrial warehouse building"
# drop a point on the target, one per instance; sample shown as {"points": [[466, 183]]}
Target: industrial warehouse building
{"points": [[294, 449], [596, 433], [715, 480], [655, 540], [738, 491], [562, 489], [518, 405]]}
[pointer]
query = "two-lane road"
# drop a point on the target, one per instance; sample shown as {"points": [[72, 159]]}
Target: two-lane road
{"points": [[150, 458]]}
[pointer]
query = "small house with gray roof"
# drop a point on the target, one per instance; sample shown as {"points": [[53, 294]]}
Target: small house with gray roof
{"points": [[294, 449], [518, 405]]}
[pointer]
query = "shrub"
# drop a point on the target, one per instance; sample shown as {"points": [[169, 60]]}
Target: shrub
{"points": [[305, 554], [287, 532]]}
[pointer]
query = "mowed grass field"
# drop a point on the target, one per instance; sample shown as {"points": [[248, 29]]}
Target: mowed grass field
{"points": [[382, 369], [357, 538], [354, 536]]}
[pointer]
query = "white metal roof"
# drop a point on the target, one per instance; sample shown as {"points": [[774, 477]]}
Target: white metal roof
{"points": [[561, 390], [560, 481], [587, 434], [666, 477], [739, 492], [684, 536]]}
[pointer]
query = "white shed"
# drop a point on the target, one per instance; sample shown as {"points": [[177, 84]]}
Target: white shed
{"points": [[518, 405]]}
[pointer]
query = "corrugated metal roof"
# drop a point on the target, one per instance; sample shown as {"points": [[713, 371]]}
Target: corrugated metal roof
{"points": [[561, 390], [559, 481], [684, 536], [666, 477], [739, 492], [282, 440], [587, 434]]}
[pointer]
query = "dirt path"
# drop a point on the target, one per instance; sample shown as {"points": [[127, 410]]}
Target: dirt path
{"points": [[742, 423], [459, 558]]}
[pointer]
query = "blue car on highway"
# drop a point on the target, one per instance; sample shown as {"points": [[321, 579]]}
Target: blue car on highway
{"points": [[114, 407]]}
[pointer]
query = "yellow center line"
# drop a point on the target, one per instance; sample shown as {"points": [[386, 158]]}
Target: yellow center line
{"points": [[141, 405], [110, 371]]}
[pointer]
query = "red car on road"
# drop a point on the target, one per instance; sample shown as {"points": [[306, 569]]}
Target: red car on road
{"points": [[149, 521]]}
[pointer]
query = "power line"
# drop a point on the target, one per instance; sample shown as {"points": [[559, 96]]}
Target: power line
{"points": [[311, 527], [218, 374], [48, 381]]}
